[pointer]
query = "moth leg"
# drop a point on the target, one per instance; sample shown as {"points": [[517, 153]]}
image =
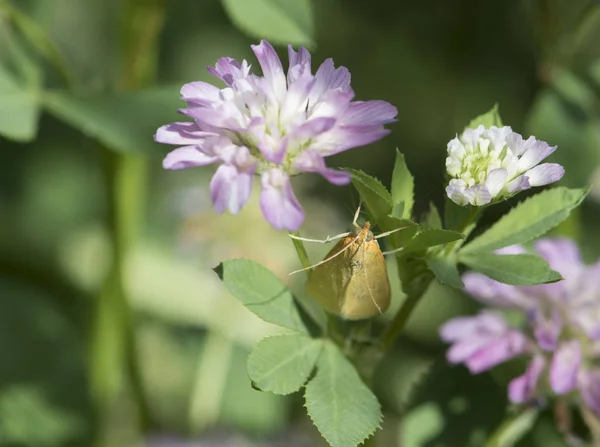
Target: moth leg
{"points": [[356, 214], [392, 251], [329, 258], [387, 233], [320, 241]]}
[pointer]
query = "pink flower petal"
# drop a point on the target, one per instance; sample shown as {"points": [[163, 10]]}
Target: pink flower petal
{"points": [[366, 113], [271, 68], [187, 157], [311, 161], [299, 64], [510, 345], [565, 367], [589, 386], [230, 188], [522, 389], [229, 70], [495, 293], [278, 202], [181, 133], [201, 92]]}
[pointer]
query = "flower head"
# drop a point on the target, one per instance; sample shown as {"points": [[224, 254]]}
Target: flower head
{"points": [[560, 333], [494, 163], [276, 126]]}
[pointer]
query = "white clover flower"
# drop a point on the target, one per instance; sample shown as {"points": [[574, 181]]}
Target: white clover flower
{"points": [[490, 164]]}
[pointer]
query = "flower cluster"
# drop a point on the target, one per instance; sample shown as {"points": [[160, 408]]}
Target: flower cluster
{"points": [[494, 163], [275, 126], [560, 334]]}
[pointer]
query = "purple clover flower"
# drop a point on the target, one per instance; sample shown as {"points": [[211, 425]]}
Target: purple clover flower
{"points": [[275, 126], [560, 334]]}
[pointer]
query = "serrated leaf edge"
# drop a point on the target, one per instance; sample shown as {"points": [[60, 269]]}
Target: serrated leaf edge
{"points": [[485, 248], [388, 199], [372, 433], [279, 336]]}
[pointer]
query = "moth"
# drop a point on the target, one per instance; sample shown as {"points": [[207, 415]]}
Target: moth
{"points": [[352, 280]]}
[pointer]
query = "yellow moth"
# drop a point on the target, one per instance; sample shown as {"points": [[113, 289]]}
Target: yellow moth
{"points": [[352, 280]]}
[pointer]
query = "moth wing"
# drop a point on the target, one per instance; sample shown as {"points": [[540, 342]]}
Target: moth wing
{"points": [[368, 292], [328, 282]]}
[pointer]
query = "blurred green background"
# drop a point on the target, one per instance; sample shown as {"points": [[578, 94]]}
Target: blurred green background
{"points": [[89, 221]]}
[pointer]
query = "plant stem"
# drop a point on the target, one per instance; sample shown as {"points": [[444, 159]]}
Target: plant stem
{"points": [[395, 327], [114, 348], [513, 428], [300, 251], [113, 345], [593, 423], [419, 285]]}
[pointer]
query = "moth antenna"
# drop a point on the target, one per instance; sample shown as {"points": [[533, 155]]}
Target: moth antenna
{"points": [[329, 258], [320, 241]]}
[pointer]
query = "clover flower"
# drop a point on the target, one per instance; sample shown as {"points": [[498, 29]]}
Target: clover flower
{"points": [[494, 163], [560, 334], [275, 126]]}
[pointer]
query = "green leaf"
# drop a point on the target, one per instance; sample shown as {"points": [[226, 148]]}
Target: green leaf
{"points": [[342, 407], [514, 429], [529, 219], [377, 199], [455, 215], [39, 39], [19, 109], [518, 270], [282, 364], [397, 210], [261, 292], [403, 187], [123, 122], [429, 237], [445, 271], [280, 21], [432, 219], [573, 90], [488, 119]]}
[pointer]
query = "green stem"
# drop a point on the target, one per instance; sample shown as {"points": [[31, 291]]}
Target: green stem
{"points": [[300, 251], [395, 327], [113, 345], [593, 423], [419, 286], [513, 428], [332, 322]]}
